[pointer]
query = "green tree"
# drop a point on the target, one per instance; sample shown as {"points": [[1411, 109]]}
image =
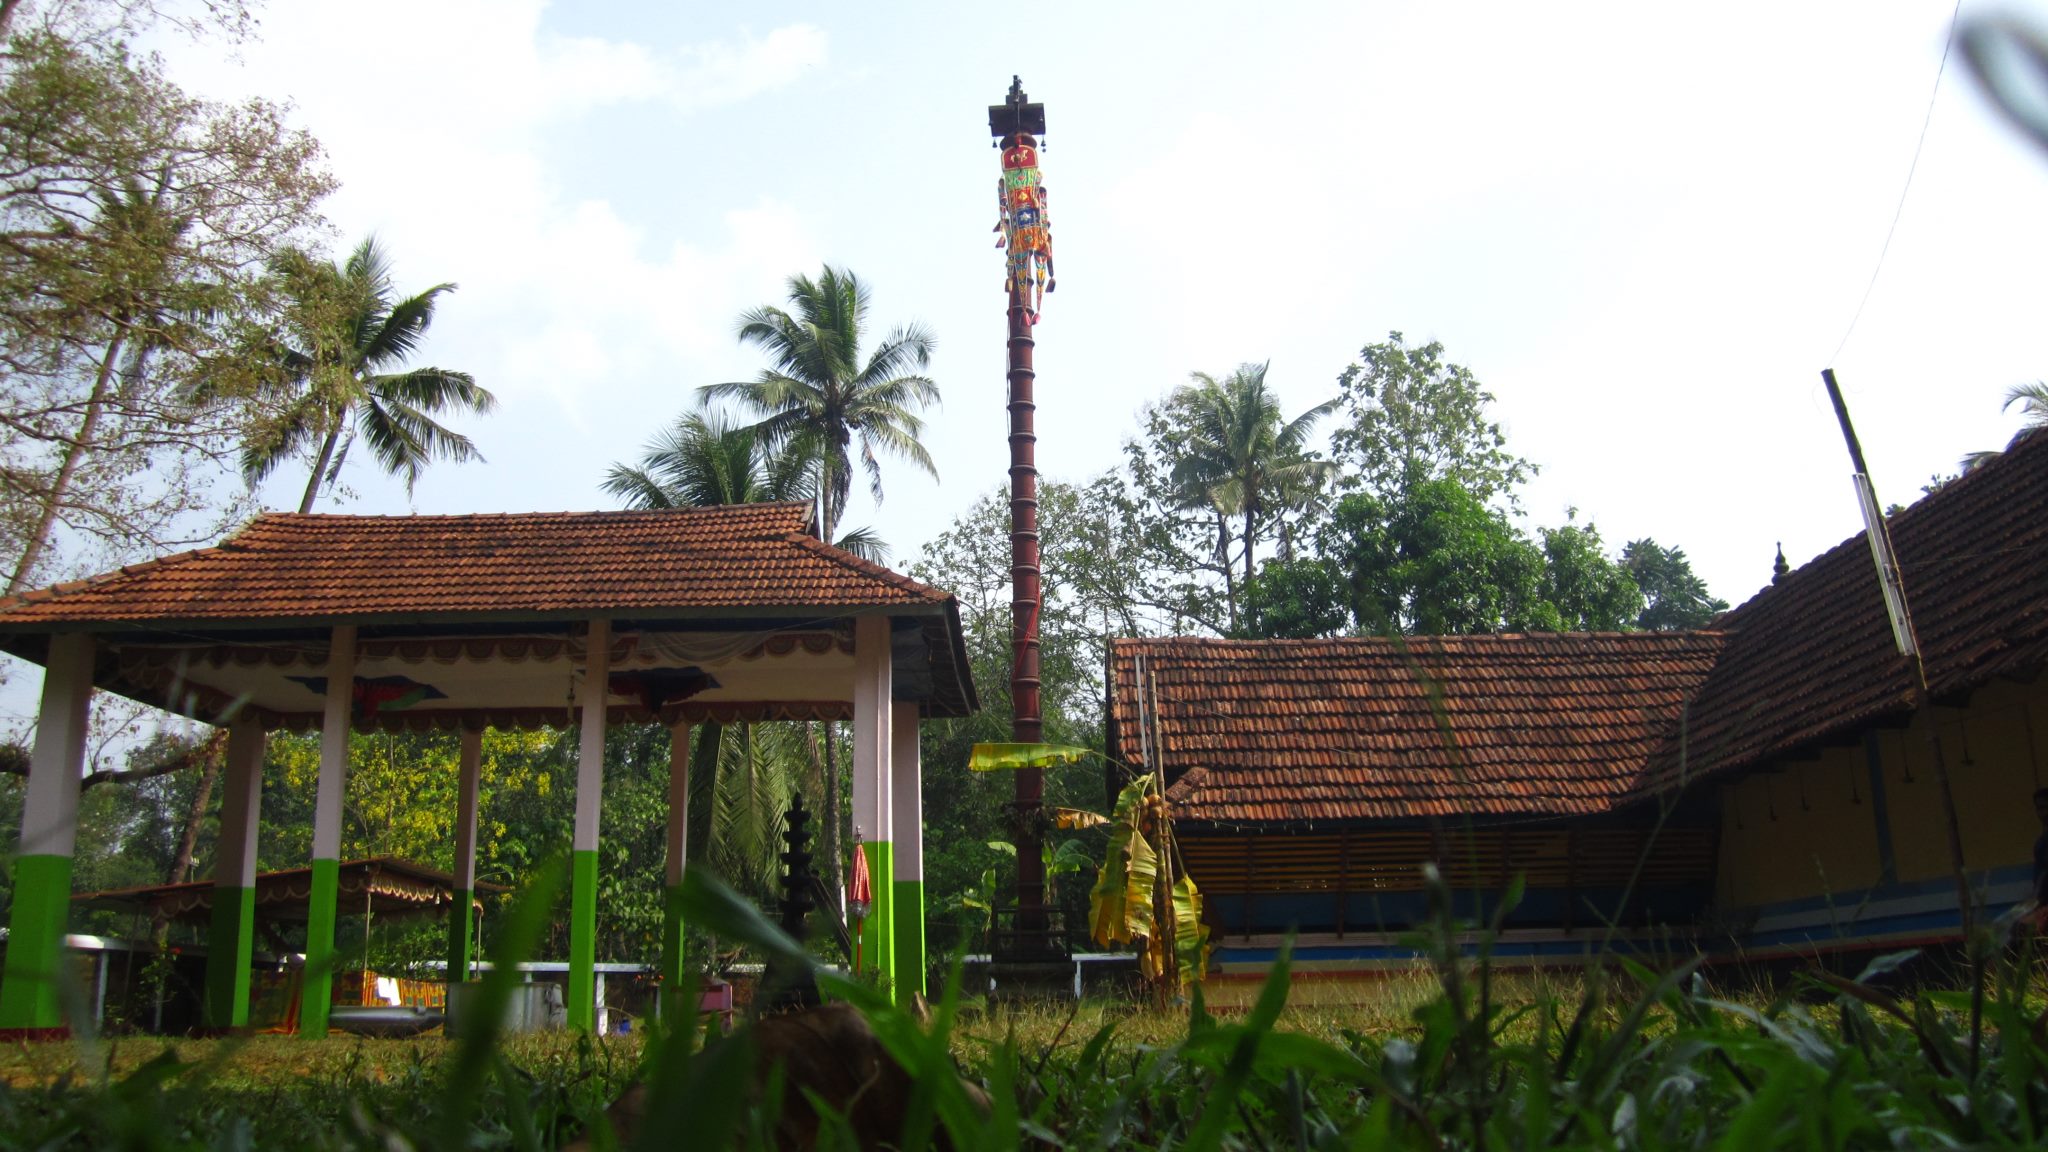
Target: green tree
{"points": [[1412, 418], [1093, 585], [820, 391], [1675, 597], [1437, 560], [134, 226], [345, 334], [703, 459], [1241, 459], [1589, 591], [2032, 401]]}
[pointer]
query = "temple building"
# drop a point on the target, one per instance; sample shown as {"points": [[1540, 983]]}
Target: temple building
{"points": [[1766, 788]]}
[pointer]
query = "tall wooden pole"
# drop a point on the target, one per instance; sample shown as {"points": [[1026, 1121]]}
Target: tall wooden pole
{"points": [[1025, 719], [1016, 125]]}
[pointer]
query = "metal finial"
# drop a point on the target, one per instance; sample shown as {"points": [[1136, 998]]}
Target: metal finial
{"points": [[1780, 568]]}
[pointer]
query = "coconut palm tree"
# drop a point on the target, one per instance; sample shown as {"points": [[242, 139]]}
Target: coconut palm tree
{"points": [[2032, 400], [1240, 458], [820, 389], [704, 459], [339, 375]]}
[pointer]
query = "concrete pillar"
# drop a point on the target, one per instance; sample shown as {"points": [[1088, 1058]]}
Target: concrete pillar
{"points": [[872, 819], [316, 987], [49, 827], [906, 799], [233, 936], [677, 843], [582, 1005], [462, 916]]}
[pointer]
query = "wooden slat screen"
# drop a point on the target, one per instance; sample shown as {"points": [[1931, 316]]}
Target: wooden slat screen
{"points": [[1391, 861]]}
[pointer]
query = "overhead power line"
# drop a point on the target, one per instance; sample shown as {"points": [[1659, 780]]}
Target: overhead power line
{"points": [[1911, 168]]}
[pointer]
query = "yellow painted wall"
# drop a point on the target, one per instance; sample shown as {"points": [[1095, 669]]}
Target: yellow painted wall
{"points": [[1822, 838], [1829, 845]]}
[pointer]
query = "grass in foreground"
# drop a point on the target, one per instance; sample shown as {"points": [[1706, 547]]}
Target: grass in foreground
{"points": [[1624, 1059]]}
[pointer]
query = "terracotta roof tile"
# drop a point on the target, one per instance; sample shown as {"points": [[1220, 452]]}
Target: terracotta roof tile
{"points": [[1811, 658], [1368, 729], [286, 566], [1566, 724]]}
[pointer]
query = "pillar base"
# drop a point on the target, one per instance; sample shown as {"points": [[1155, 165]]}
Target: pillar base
{"points": [[34, 1035], [316, 982], [35, 945], [581, 1006]]}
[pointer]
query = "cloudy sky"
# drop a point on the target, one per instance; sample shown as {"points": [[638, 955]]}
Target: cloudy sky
{"points": [[1644, 230]]}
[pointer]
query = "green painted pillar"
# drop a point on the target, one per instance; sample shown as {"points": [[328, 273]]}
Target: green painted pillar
{"points": [[677, 845], [906, 798], [581, 1003], [316, 986], [462, 913], [233, 935], [31, 982], [873, 821], [878, 931]]}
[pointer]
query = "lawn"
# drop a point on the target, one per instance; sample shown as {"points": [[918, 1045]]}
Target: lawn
{"points": [[1450, 1056]]}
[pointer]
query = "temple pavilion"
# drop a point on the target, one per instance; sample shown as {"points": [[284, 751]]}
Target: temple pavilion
{"points": [[460, 623]]}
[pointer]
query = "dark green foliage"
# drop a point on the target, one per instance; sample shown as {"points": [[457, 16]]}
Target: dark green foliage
{"points": [[1412, 418], [1637, 1059], [1434, 559], [1676, 598]]}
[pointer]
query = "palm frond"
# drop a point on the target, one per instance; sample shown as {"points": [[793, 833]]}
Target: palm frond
{"points": [[434, 390], [866, 544], [394, 333], [636, 488]]}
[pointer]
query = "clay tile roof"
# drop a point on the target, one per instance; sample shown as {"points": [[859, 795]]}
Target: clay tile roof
{"points": [[1811, 659], [287, 566], [1368, 729]]}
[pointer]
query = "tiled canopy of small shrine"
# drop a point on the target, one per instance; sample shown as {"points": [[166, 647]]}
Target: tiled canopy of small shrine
{"points": [[443, 677], [461, 623]]}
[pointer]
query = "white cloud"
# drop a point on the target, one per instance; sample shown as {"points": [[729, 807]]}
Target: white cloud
{"points": [[447, 141], [720, 73]]}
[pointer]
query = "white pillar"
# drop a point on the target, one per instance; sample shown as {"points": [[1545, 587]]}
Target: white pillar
{"points": [[872, 818], [49, 830], [234, 880], [336, 720], [582, 1004], [677, 843], [462, 917], [906, 802]]}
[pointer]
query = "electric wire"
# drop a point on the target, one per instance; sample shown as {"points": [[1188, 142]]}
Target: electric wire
{"points": [[1911, 168]]}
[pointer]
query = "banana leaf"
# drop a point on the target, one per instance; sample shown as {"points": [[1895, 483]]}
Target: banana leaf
{"points": [[1076, 818], [1120, 904], [993, 757], [1190, 933]]}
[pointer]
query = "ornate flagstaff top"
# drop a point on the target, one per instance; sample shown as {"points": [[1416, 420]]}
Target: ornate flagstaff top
{"points": [[1020, 198]]}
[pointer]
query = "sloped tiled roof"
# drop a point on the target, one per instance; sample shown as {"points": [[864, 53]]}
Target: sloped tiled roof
{"points": [[1367, 729], [1811, 658], [1296, 731], [747, 557]]}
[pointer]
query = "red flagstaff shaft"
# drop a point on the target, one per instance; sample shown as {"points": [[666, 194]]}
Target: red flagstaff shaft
{"points": [[1025, 718], [1017, 124]]}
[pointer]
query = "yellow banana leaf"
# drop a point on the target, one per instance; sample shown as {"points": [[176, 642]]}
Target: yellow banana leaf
{"points": [[992, 757], [1190, 933], [1077, 818], [1120, 905]]}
